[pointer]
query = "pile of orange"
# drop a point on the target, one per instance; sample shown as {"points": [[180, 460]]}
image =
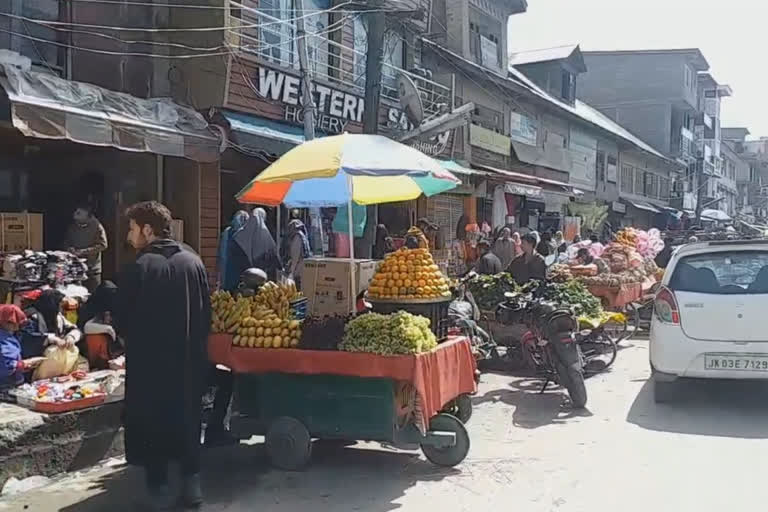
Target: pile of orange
{"points": [[409, 274]]}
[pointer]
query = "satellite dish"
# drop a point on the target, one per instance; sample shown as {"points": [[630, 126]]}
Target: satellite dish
{"points": [[410, 99]]}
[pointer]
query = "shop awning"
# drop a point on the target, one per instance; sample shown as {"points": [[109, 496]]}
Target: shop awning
{"points": [[643, 206], [457, 168], [716, 215], [552, 157], [266, 128], [49, 107], [543, 183]]}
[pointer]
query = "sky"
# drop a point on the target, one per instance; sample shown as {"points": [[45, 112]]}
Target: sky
{"points": [[732, 35]]}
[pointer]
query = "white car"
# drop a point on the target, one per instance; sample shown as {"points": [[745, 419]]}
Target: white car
{"points": [[710, 317]]}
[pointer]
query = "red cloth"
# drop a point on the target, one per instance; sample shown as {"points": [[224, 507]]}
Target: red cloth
{"points": [[617, 297], [11, 314], [438, 376]]}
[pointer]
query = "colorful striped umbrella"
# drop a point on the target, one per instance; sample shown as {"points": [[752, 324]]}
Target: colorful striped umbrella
{"points": [[331, 171]]}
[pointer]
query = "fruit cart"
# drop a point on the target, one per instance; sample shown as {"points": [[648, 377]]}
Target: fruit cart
{"points": [[292, 396]]}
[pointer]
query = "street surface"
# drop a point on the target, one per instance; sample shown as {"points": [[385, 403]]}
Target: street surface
{"points": [[529, 453]]}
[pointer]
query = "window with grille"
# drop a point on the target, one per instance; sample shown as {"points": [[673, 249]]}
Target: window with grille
{"points": [[277, 38], [600, 166], [627, 178], [639, 181], [393, 54], [663, 188], [651, 184], [30, 39]]}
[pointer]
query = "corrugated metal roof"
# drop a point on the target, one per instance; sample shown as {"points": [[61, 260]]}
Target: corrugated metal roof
{"points": [[697, 58], [546, 55], [587, 113]]}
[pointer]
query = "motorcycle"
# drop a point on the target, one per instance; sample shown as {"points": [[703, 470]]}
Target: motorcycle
{"points": [[463, 318], [549, 343]]}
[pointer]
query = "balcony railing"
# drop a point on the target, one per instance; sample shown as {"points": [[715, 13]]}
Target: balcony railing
{"points": [[274, 40], [687, 144]]}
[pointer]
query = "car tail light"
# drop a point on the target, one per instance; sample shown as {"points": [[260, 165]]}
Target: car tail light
{"points": [[665, 306]]}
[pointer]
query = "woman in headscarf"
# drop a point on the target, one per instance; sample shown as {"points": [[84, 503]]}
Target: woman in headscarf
{"points": [[298, 249], [383, 244], [229, 263], [560, 245], [102, 343], [102, 300], [504, 247], [257, 245], [518, 242], [458, 255], [47, 325], [12, 366]]}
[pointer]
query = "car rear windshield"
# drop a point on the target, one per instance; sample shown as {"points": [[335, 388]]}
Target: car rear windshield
{"points": [[722, 273]]}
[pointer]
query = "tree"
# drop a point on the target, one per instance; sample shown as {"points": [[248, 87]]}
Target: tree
{"points": [[592, 215]]}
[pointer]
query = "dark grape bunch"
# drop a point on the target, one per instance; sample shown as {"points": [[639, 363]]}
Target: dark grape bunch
{"points": [[323, 332]]}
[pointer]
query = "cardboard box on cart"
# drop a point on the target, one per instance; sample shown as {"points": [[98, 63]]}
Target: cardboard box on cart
{"points": [[20, 231], [326, 283]]}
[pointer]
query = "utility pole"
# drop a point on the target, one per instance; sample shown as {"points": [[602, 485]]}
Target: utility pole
{"points": [[315, 224], [703, 184], [377, 25], [306, 80]]}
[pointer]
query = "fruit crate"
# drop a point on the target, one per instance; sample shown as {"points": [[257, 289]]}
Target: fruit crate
{"points": [[434, 309]]}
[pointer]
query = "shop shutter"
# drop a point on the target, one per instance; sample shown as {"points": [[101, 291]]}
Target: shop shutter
{"points": [[445, 211]]}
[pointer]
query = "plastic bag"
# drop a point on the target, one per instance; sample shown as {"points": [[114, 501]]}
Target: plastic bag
{"points": [[59, 361]]}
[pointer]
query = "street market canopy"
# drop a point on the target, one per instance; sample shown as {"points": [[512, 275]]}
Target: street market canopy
{"points": [[332, 171], [715, 215], [640, 205], [46, 106]]}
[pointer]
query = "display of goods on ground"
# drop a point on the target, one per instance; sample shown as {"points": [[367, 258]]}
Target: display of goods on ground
{"points": [[264, 320], [408, 274], [398, 333], [574, 294], [488, 290]]}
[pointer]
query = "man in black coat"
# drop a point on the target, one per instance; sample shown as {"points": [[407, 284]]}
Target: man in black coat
{"points": [[165, 317]]}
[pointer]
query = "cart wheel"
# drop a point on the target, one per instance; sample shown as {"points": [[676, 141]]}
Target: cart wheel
{"points": [[289, 445], [449, 455]]}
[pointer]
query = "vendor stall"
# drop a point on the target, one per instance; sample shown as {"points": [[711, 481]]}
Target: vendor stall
{"points": [[378, 377]]}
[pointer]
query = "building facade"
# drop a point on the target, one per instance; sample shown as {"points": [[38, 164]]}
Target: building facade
{"points": [[662, 111]]}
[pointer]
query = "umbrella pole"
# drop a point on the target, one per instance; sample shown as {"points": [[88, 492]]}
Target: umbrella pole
{"points": [[353, 281]]}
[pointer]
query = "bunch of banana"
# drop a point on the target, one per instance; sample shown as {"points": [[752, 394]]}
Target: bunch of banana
{"points": [[265, 330], [227, 312], [277, 297]]}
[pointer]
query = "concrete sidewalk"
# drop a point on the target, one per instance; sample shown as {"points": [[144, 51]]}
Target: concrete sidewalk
{"points": [[34, 444]]}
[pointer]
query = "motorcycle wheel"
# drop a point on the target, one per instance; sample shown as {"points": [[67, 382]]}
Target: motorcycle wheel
{"points": [[572, 379]]}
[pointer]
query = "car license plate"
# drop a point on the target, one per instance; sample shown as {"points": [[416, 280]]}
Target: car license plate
{"points": [[736, 362]]}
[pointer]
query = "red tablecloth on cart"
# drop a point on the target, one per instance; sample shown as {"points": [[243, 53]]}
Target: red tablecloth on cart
{"points": [[438, 376], [617, 297]]}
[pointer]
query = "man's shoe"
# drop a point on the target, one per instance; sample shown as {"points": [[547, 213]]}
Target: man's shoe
{"points": [[192, 493], [160, 498]]}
